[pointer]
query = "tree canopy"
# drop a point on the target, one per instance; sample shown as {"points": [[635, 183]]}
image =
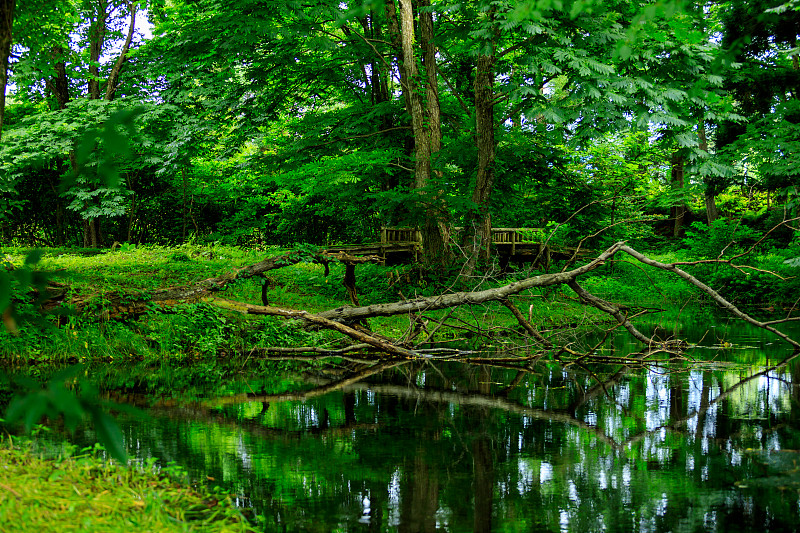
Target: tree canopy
{"points": [[320, 122]]}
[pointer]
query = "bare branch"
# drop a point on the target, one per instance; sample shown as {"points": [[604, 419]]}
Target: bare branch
{"points": [[526, 324], [610, 309], [709, 291], [470, 298], [111, 86]]}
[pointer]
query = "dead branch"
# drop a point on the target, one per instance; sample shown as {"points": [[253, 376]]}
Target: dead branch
{"points": [[526, 324], [346, 319], [318, 320], [722, 302], [467, 298], [338, 318], [609, 308]]}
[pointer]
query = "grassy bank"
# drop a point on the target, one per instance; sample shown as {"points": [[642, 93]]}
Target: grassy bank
{"points": [[179, 350], [197, 331], [86, 493]]}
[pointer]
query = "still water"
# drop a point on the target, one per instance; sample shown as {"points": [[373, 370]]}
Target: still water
{"points": [[710, 443]]}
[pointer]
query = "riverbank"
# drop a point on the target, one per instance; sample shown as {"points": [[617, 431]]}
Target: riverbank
{"points": [[94, 330], [87, 493]]}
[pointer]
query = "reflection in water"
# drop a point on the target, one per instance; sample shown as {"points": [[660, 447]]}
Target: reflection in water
{"points": [[432, 446]]}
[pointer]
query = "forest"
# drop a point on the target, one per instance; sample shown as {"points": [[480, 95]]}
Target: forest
{"points": [[596, 211]]}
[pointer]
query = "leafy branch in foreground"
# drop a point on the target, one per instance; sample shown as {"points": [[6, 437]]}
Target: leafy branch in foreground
{"points": [[72, 398]]}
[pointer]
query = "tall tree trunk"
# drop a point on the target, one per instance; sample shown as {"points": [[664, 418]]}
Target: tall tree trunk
{"points": [[59, 84], [6, 33], [478, 225], [185, 207], [380, 71], [397, 44], [425, 119], [113, 77], [97, 36], [92, 235], [436, 232], [411, 86], [712, 212], [678, 210]]}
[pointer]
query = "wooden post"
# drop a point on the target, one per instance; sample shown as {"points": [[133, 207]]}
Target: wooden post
{"points": [[514, 241], [383, 243]]}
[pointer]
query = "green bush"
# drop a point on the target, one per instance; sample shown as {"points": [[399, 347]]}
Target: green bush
{"points": [[723, 237]]}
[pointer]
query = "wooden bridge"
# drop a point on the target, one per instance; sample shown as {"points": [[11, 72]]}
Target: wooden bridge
{"points": [[518, 245]]}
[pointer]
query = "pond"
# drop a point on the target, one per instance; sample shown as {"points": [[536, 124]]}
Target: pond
{"points": [[707, 443]]}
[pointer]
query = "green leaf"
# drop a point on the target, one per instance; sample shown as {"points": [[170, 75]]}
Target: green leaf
{"points": [[33, 257], [109, 434]]}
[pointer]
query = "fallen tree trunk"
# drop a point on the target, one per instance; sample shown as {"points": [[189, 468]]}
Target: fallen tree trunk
{"points": [[346, 319], [337, 318], [444, 301], [318, 320]]}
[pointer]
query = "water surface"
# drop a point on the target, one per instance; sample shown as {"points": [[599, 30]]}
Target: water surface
{"points": [[709, 443]]}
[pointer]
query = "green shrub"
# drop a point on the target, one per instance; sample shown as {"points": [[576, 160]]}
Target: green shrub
{"points": [[723, 237]]}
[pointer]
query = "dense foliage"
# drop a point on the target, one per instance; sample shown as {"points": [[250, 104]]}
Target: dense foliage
{"points": [[284, 122]]}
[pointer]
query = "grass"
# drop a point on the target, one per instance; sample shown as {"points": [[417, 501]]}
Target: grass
{"points": [[85, 493], [198, 330]]}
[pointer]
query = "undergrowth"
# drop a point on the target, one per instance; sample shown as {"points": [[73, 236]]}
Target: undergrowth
{"points": [[192, 332]]}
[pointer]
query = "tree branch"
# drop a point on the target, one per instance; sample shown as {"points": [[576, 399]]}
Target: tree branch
{"points": [[709, 291], [111, 86]]}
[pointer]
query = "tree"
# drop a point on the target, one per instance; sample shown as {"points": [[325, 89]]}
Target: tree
{"points": [[421, 95], [402, 112], [6, 34], [762, 37], [56, 68]]}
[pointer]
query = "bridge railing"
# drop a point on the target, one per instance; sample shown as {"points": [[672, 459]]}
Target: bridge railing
{"points": [[397, 235], [505, 236]]}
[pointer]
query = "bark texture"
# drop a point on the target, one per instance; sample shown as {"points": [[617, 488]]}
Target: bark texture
{"points": [[712, 212], [478, 226], [97, 36], [678, 210], [6, 35], [59, 84], [421, 96]]}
